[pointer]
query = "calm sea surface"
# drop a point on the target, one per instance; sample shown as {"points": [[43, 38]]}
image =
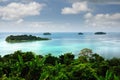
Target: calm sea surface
{"points": [[106, 45]]}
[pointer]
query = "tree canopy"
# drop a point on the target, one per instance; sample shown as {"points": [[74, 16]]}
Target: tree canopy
{"points": [[23, 38], [29, 66]]}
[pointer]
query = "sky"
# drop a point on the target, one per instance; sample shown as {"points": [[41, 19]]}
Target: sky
{"points": [[59, 15]]}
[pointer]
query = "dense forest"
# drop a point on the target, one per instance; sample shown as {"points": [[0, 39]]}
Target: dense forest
{"points": [[99, 33], [23, 38], [87, 66]]}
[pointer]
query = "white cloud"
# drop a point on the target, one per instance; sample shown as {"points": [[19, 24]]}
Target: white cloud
{"points": [[20, 21], [103, 20], [39, 24], [76, 8], [28, 26], [16, 11], [88, 15]]}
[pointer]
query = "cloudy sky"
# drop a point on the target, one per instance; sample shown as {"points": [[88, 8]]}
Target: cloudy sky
{"points": [[59, 15]]}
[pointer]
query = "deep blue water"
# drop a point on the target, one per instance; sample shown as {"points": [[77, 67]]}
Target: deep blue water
{"points": [[106, 45]]}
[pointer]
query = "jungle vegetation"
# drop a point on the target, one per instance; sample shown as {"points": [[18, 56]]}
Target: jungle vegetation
{"points": [[87, 66], [23, 38]]}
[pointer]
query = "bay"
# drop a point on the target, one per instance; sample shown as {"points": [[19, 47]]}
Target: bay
{"points": [[106, 45]]}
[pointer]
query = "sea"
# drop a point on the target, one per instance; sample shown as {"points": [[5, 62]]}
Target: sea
{"points": [[107, 45]]}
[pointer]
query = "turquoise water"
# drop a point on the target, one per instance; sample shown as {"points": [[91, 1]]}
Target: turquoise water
{"points": [[106, 45]]}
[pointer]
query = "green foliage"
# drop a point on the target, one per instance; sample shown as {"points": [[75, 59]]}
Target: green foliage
{"points": [[109, 76], [50, 60], [66, 58], [96, 58], [10, 78], [57, 72], [83, 72], [23, 38], [88, 66], [114, 62], [86, 52]]}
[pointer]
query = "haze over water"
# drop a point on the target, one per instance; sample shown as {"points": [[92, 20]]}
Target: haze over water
{"points": [[106, 45]]}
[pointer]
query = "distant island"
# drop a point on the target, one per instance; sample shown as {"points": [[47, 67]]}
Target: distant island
{"points": [[80, 33], [23, 38], [99, 33], [47, 33]]}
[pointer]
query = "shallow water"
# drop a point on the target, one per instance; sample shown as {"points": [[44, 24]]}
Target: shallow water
{"points": [[106, 45]]}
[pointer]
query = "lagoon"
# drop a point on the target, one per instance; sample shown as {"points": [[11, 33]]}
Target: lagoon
{"points": [[106, 45]]}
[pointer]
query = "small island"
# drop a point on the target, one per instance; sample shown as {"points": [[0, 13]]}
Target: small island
{"points": [[99, 33], [23, 38], [47, 33], [80, 33]]}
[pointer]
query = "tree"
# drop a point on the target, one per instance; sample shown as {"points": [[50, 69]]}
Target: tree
{"points": [[83, 72], [50, 60], [102, 68], [114, 62], [28, 56], [57, 72], [66, 58], [86, 53], [28, 66], [96, 58]]}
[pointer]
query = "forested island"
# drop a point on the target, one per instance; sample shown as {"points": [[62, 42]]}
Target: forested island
{"points": [[23, 38], [80, 33], [47, 33], [87, 66], [100, 33]]}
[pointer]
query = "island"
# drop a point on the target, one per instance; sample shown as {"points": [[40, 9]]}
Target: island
{"points": [[47, 33], [23, 38], [80, 33], [99, 33]]}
